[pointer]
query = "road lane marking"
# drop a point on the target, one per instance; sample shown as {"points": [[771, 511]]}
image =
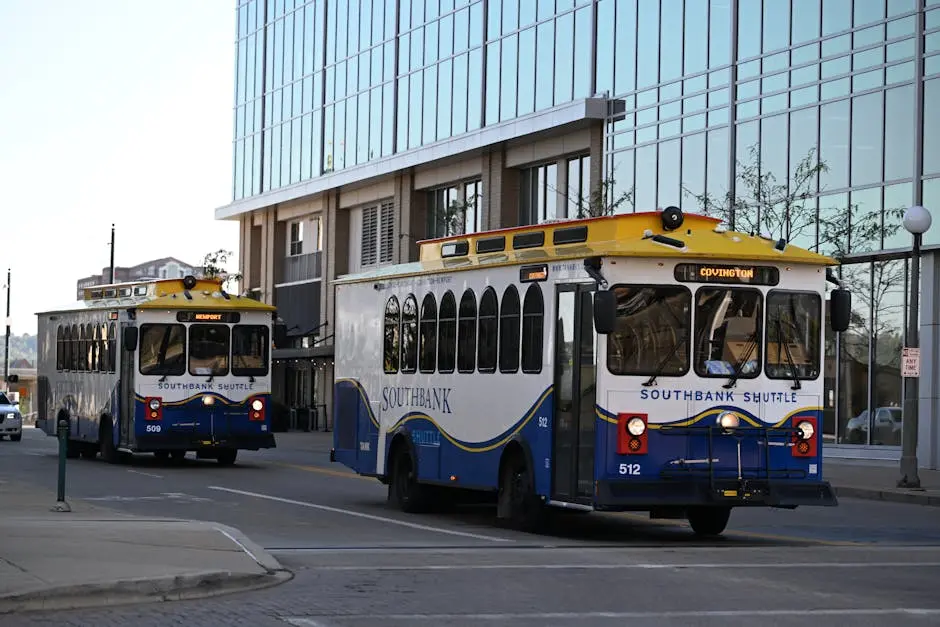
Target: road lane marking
{"points": [[303, 621], [146, 474], [324, 471], [349, 512], [677, 566]]}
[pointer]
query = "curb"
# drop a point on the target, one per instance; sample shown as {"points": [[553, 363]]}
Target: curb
{"points": [[145, 590], [913, 497]]}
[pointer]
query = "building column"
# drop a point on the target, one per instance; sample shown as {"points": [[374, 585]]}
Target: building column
{"points": [[928, 406], [268, 245], [244, 252]]}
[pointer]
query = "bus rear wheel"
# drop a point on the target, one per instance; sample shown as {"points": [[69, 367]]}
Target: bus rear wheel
{"points": [[227, 456], [404, 491], [709, 521]]}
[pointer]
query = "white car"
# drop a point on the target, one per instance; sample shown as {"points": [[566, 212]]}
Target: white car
{"points": [[11, 422]]}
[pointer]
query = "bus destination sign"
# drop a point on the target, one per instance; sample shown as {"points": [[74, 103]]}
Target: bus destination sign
{"points": [[208, 316], [718, 273]]}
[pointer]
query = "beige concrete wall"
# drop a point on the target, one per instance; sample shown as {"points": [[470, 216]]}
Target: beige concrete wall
{"points": [[299, 208], [427, 177], [548, 149], [367, 194]]}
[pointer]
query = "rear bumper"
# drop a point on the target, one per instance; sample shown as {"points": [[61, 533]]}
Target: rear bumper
{"points": [[626, 495], [195, 442]]}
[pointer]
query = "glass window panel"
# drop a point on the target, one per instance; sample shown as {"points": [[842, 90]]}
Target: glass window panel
{"points": [[868, 12], [931, 66], [888, 322], [776, 25], [774, 135], [446, 37], [868, 80], [510, 16], [931, 43], [348, 141], [378, 21], [803, 149], [545, 8], [605, 41], [493, 20], [718, 97], [775, 62], [564, 53], [867, 59], [476, 24], [388, 105], [352, 76], [475, 89], [305, 154], [544, 61], [622, 173], [833, 224], [897, 199], [805, 25], [868, 36], [430, 104], [693, 123], [509, 85], [777, 82], [865, 231], [692, 85], [414, 110], [582, 53], [460, 95], [320, 16], [837, 16], [527, 80], [749, 69], [899, 133], [669, 172], [670, 53], [854, 372], [285, 153], [366, 127], [897, 7], [718, 117], [716, 173], [328, 151], [645, 193], [719, 33], [931, 18], [805, 54], [647, 134], [900, 73], [445, 93], [901, 50], [867, 150], [932, 130], [696, 36], [417, 48], [299, 52], [836, 67], [403, 113], [836, 45], [461, 30], [931, 200], [695, 103], [341, 80], [835, 89], [526, 13], [430, 42], [693, 165], [834, 144], [492, 83], [804, 75], [647, 44]]}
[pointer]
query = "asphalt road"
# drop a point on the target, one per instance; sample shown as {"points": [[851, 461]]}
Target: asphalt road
{"points": [[358, 563]]}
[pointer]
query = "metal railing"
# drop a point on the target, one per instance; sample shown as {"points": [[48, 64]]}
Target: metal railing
{"points": [[302, 267]]}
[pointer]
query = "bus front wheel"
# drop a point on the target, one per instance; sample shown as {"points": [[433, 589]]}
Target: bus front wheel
{"points": [[709, 521], [518, 506], [227, 456]]}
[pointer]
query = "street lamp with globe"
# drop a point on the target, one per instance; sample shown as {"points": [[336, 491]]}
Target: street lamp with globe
{"points": [[916, 221]]}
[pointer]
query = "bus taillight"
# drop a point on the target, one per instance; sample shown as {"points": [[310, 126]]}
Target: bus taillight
{"points": [[154, 408], [256, 409], [631, 434], [804, 438]]}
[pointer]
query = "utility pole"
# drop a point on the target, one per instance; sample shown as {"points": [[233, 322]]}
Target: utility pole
{"points": [[6, 353], [112, 253]]}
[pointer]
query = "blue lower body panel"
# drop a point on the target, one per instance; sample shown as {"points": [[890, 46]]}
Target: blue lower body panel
{"points": [[614, 495]]}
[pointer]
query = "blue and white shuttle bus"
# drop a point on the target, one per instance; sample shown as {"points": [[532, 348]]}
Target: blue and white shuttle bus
{"points": [[652, 362], [164, 366]]}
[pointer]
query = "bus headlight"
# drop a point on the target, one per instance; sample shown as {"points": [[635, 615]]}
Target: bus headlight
{"points": [[257, 405], [729, 420], [806, 430], [154, 404], [208, 400], [636, 426]]}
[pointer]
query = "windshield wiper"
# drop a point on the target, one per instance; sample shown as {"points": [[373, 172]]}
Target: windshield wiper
{"points": [[786, 346], [662, 364], [739, 369]]}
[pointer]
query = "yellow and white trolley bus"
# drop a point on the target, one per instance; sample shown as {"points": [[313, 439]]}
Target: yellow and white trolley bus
{"points": [[652, 361], [165, 366]]}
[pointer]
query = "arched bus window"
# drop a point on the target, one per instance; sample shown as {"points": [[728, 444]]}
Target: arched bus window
{"points": [[409, 335], [103, 348], [59, 348], [82, 349], [427, 349], [75, 348], [93, 349], [112, 346], [489, 328], [66, 348], [533, 309], [392, 330], [447, 334], [509, 331], [467, 332]]}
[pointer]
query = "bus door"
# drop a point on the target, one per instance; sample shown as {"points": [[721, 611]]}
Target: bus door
{"points": [[575, 393], [126, 395]]}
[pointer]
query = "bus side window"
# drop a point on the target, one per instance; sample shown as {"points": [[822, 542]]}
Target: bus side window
{"points": [[509, 331], [59, 348], [409, 335], [467, 332], [447, 334], [427, 349], [532, 328], [489, 324], [391, 345]]}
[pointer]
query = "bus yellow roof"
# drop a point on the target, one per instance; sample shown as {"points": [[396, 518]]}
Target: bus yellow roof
{"points": [[625, 235]]}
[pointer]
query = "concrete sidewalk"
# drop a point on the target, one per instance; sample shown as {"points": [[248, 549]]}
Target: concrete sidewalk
{"points": [[92, 556], [875, 480]]}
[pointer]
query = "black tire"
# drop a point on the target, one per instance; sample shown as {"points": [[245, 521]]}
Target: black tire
{"points": [[161, 455], [709, 521], [519, 506], [179, 455], [404, 491], [16, 437], [106, 442], [89, 452], [227, 456]]}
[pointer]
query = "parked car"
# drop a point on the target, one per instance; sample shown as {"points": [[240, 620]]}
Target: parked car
{"points": [[887, 429], [11, 422]]}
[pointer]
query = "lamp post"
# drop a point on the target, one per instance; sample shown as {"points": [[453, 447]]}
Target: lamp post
{"points": [[916, 221], [6, 350]]}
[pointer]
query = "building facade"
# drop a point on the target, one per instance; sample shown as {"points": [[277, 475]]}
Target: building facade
{"points": [[166, 268], [364, 126]]}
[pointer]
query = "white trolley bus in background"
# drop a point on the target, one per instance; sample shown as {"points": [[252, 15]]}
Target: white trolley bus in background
{"points": [[653, 361], [165, 366]]}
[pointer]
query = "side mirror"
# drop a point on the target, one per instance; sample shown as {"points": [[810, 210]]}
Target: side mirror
{"points": [[13, 378], [129, 339], [605, 311], [840, 309], [280, 335]]}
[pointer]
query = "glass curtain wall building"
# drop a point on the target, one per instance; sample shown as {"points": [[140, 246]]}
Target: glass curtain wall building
{"points": [[807, 119]]}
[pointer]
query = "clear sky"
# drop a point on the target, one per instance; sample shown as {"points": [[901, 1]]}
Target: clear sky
{"points": [[111, 111]]}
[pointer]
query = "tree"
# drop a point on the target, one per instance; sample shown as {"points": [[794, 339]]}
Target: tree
{"points": [[213, 267], [601, 201]]}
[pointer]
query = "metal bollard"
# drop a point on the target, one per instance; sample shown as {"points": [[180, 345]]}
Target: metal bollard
{"points": [[63, 432]]}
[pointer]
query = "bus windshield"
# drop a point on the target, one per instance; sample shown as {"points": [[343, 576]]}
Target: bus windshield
{"points": [[727, 332], [793, 320], [208, 349], [162, 349], [652, 330], [249, 350]]}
